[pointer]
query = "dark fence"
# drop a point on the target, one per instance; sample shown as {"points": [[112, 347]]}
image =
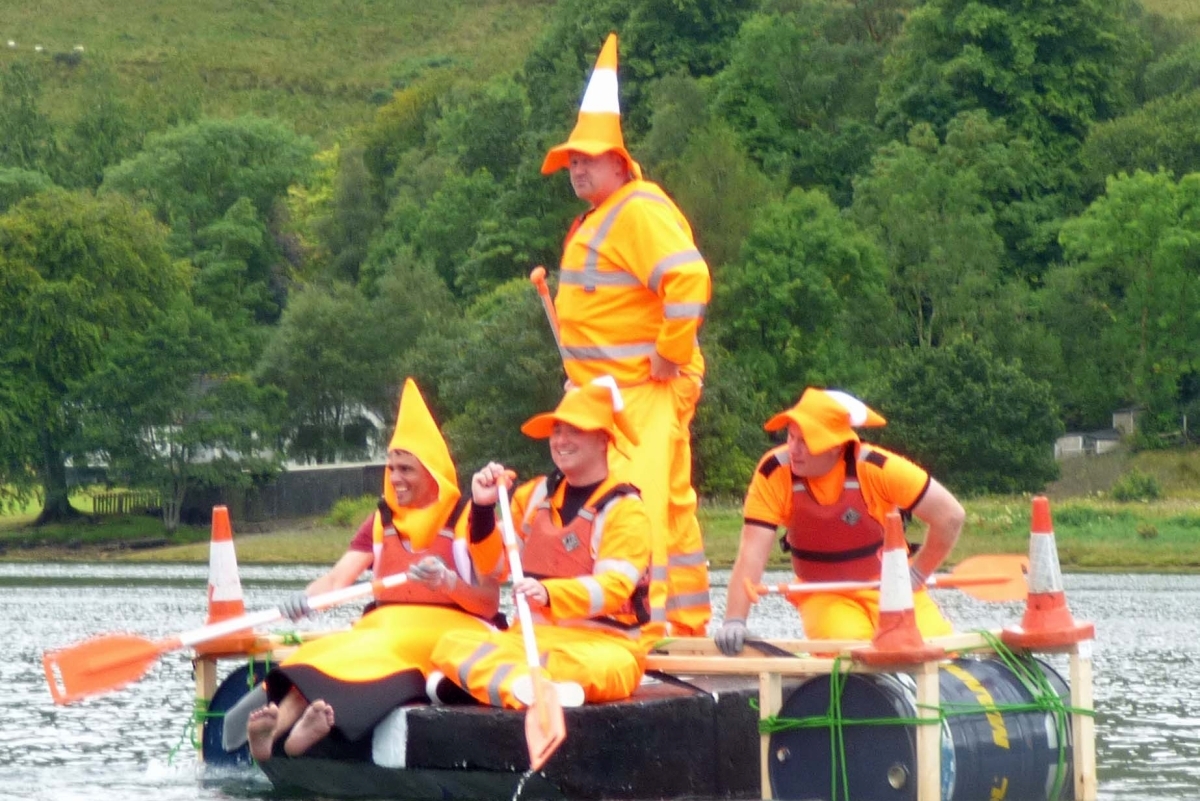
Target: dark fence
{"points": [[298, 492], [124, 502]]}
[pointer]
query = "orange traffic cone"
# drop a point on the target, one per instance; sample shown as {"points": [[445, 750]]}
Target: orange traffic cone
{"points": [[897, 639], [224, 587], [1047, 620]]}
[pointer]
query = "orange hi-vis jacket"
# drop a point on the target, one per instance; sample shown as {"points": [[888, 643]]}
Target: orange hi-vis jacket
{"points": [[396, 551], [631, 283], [596, 566]]}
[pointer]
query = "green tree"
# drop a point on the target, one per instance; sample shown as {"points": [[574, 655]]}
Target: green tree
{"points": [[27, 136], [804, 300], [1135, 264], [938, 236], [165, 414], [1050, 68], [975, 422], [327, 354], [17, 184], [75, 273], [1164, 134], [483, 126], [352, 216]]}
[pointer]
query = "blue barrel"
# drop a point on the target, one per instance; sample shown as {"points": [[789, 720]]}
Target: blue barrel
{"points": [[231, 690], [991, 749]]}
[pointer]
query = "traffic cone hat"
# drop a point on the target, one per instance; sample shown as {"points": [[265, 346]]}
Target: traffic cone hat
{"points": [[225, 599], [598, 129], [596, 406], [827, 418], [897, 639], [417, 433], [1047, 620]]}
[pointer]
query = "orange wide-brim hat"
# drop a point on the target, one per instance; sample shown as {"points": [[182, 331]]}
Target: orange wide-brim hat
{"points": [[827, 418], [596, 406], [598, 128]]}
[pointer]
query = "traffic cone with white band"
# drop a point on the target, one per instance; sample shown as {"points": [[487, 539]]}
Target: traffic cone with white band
{"points": [[224, 586], [1047, 622], [897, 639]]}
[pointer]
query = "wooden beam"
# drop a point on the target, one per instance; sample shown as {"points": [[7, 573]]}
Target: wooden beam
{"points": [[704, 646], [929, 736], [204, 668], [770, 699], [1083, 726]]}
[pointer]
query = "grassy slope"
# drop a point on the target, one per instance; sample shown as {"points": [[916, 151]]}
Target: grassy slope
{"points": [[316, 63]]}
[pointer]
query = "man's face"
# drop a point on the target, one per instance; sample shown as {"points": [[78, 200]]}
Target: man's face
{"points": [[575, 451], [414, 485], [594, 178], [805, 463]]}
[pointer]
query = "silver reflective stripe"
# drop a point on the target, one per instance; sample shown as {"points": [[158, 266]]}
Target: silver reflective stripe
{"points": [[494, 685], [447, 533], [625, 568], [670, 262], [595, 594], [536, 498], [783, 459], [611, 352], [684, 311], [595, 279], [687, 601], [586, 515], [852, 483], [658, 615], [591, 264], [799, 487], [464, 670], [687, 559], [658, 573]]}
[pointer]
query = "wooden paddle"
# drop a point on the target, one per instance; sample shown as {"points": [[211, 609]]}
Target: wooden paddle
{"points": [[545, 727], [988, 577], [538, 277], [111, 661]]}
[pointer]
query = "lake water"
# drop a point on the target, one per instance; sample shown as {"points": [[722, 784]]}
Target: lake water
{"points": [[131, 745]]}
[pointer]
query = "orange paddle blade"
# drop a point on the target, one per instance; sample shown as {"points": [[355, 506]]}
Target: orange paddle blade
{"points": [[545, 727], [100, 664], [991, 577]]}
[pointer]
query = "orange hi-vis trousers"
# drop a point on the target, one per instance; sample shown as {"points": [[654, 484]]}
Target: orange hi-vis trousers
{"points": [[661, 467], [855, 615], [609, 667]]}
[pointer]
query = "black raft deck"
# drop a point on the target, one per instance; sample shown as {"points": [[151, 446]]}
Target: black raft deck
{"points": [[696, 733]]}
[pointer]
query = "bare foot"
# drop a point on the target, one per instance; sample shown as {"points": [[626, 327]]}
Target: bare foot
{"points": [[313, 726], [260, 730]]}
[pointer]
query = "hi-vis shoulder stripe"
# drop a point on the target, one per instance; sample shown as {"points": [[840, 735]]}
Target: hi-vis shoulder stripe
{"points": [[601, 94]]}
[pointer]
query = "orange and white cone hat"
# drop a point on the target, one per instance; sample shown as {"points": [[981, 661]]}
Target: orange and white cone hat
{"points": [[598, 129], [897, 639]]}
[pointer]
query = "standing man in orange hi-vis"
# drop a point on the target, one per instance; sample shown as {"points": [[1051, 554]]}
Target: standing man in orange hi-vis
{"points": [[587, 547], [833, 492], [336, 688], [632, 294]]}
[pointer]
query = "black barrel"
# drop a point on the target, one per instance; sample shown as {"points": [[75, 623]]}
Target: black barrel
{"points": [[231, 690], [990, 749]]}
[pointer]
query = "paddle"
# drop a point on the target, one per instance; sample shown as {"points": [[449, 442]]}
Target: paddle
{"points": [[111, 661], [988, 577], [538, 277], [545, 727]]}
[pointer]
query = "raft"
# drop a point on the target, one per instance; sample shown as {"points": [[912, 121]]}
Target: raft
{"points": [[776, 723]]}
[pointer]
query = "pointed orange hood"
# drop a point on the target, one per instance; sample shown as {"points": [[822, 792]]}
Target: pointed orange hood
{"points": [[417, 433]]}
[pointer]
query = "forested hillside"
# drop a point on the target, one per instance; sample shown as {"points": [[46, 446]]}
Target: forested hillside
{"points": [[233, 230]]}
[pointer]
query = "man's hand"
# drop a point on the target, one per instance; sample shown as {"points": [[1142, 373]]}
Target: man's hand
{"points": [[485, 483], [535, 592], [296, 606], [433, 573], [661, 369], [731, 637]]}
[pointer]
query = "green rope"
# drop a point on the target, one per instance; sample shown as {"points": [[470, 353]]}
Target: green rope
{"points": [[201, 715], [290, 638], [1045, 699]]}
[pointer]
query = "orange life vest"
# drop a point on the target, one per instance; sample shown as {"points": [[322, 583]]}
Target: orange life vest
{"points": [[394, 554], [565, 551], [838, 542]]}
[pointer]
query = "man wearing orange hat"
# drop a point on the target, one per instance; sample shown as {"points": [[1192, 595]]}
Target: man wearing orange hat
{"points": [[832, 493], [346, 683], [632, 294], [587, 550]]}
